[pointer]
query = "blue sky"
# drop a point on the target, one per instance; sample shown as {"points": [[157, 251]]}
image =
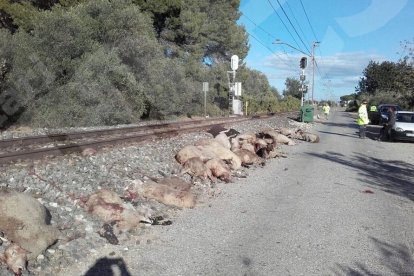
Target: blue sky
{"points": [[351, 33]]}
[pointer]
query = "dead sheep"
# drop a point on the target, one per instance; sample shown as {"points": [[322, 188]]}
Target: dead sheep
{"points": [[289, 132], [186, 153], [15, 258], [109, 207], [164, 194], [26, 222], [209, 142], [249, 147], [234, 144], [224, 140], [219, 169], [260, 144], [247, 137], [248, 158], [196, 167], [277, 137], [275, 153], [217, 129], [191, 151], [243, 141], [217, 151], [175, 183], [309, 137]]}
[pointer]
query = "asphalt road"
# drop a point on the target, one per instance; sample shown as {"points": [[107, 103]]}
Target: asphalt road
{"points": [[341, 207]]}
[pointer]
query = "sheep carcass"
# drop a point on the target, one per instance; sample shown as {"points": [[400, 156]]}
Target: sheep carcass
{"points": [[221, 153], [109, 207], [219, 169], [277, 137], [25, 220], [15, 258], [164, 194], [248, 158], [196, 167]]}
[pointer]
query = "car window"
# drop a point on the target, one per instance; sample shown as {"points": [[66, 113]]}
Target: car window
{"points": [[405, 118], [384, 109]]}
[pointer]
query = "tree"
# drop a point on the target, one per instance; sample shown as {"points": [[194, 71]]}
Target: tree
{"points": [[292, 88], [17, 14], [197, 29], [389, 81]]}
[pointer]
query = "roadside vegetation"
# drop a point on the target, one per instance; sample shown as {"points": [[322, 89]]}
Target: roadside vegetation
{"points": [[387, 82], [100, 62]]}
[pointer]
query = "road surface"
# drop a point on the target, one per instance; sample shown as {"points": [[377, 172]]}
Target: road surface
{"points": [[341, 207]]}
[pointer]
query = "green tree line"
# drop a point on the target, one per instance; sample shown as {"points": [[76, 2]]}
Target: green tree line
{"points": [[387, 81], [101, 62]]}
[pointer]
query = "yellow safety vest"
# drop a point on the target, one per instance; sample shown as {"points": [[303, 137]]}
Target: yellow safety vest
{"points": [[362, 115]]}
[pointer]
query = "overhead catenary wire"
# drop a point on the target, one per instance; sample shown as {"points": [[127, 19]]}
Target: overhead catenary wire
{"points": [[281, 20], [269, 34], [313, 32], [304, 44], [297, 22], [270, 50], [278, 56], [307, 17], [257, 26]]}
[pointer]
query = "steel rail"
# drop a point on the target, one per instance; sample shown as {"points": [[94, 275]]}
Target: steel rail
{"points": [[135, 134], [30, 140], [134, 137]]}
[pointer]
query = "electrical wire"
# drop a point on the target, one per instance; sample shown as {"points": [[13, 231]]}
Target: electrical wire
{"points": [[311, 27], [306, 47], [270, 50], [269, 34], [281, 20], [297, 22], [307, 17], [257, 26]]}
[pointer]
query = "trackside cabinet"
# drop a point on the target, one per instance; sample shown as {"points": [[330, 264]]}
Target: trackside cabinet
{"points": [[306, 113]]}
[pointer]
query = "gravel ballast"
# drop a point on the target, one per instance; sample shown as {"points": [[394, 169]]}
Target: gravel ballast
{"points": [[60, 183]]}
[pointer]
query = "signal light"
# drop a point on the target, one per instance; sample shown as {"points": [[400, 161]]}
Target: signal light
{"points": [[303, 62]]}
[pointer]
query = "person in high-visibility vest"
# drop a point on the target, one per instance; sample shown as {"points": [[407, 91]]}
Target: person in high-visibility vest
{"points": [[362, 120], [326, 110], [373, 108]]}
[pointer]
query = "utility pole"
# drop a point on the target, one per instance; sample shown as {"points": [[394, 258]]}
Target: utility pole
{"points": [[316, 43]]}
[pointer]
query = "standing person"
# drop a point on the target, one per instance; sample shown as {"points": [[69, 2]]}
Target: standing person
{"points": [[386, 129], [362, 120], [326, 110]]}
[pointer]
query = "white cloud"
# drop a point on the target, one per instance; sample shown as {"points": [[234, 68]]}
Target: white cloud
{"points": [[343, 69]]}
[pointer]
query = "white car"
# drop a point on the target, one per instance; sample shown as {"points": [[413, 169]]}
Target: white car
{"points": [[404, 126]]}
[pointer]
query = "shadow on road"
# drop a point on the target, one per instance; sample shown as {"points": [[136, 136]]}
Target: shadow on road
{"points": [[352, 115], [342, 125], [108, 267], [340, 134], [396, 258], [392, 176], [372, 132]]}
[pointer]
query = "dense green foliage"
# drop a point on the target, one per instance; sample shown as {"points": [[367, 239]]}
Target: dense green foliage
{"points": [[389, 82], [293, 88], [101, 62]]}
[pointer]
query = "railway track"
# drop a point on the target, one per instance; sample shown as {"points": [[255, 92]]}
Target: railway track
{"points": [[37, 147]]}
